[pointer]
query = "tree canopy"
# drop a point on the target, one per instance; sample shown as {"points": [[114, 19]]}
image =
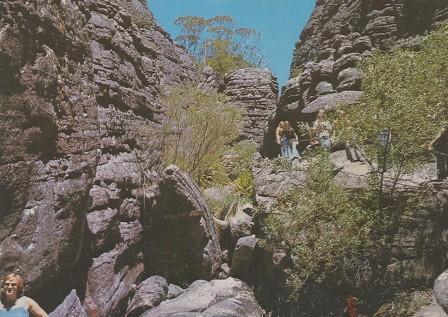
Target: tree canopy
{"points": [[219, 42], [403, 108]]}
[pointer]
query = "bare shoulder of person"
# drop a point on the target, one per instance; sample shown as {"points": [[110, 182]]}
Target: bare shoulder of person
{"points": [[23, 301]]}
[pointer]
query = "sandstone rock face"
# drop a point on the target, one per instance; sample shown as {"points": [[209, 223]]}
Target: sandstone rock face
{"points": [[255, 91], [181, 239], [441, 290], [338, 35], [243, 257], [79, 104], [217, 298], [70, 307], [149, 294], [210, 80]]}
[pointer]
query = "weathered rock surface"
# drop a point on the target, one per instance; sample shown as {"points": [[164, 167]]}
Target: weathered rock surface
{"points": [[217, 298], [432, 310], [441, 290], [255, 91], [339, 34], [70, 307], [79, 101], [240, 224], [149, 294], [174, 291], [181, 239], [210, 80], [243, 257]]}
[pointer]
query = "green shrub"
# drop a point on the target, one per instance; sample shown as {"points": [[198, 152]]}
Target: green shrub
{"points": [[325, 232], [198, 127], [406, 303], [238, 158], [244, 184], [405, 94]]}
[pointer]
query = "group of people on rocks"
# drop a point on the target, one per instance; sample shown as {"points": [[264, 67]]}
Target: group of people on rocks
{"points": [[320, 134]]}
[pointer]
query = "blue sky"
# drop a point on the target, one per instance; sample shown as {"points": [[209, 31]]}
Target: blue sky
{"points": [[280, 23]]}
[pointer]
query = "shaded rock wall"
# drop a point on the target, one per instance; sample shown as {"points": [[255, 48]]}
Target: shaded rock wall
{"points": [[80, 114], [181, 240]]}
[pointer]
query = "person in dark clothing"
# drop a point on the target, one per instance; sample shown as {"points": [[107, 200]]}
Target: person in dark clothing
{"points": [[440, 148]]}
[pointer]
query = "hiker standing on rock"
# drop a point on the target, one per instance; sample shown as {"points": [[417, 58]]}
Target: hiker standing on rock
{"points": [[287, 139], [13, 303], [292, 140], [322, 128]]}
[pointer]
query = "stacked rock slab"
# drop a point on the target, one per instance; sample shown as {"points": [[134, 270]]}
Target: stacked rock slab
{"points": [[255, 91], [80, 114], [338, 35]]}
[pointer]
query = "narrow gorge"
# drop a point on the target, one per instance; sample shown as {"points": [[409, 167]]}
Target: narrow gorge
{"points": [[99, 225]]}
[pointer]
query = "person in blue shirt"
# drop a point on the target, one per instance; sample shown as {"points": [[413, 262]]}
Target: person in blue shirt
{"points": [[13, 303]]}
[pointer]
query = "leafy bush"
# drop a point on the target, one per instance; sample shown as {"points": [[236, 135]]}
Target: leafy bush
{"points": [[197, 129], [405, 97], [325, 231], [244, 184], [406, 303], [238, 158]]}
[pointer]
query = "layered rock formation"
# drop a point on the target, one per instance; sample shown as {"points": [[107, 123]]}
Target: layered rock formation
{"points": [[338, 35], [181, 239], [255, 91], [79, 96]]}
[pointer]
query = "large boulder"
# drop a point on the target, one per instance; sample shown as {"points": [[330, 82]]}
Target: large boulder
{"points": [[441, 290], [70, 307], [217, 298], [243, 258], [149, 294], [181, 238]]}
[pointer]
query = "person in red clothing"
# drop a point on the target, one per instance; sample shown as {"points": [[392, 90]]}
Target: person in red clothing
{"points": [[351, 307]]}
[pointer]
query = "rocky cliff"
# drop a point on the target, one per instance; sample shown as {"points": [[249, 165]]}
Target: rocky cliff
{"points": [[255, 91], [80, 118], [338, 35]]}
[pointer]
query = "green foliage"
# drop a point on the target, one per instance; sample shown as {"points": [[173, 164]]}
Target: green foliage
{"points": [[244, 184], [238, 158], [219, 42], [227, 204], [198, 127], [406, 303], [325, 231], [404, 93]]}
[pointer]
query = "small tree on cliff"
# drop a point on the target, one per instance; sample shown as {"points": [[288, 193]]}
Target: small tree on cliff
{"points": [[404, 107], [198, 127], [218, 42]]}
